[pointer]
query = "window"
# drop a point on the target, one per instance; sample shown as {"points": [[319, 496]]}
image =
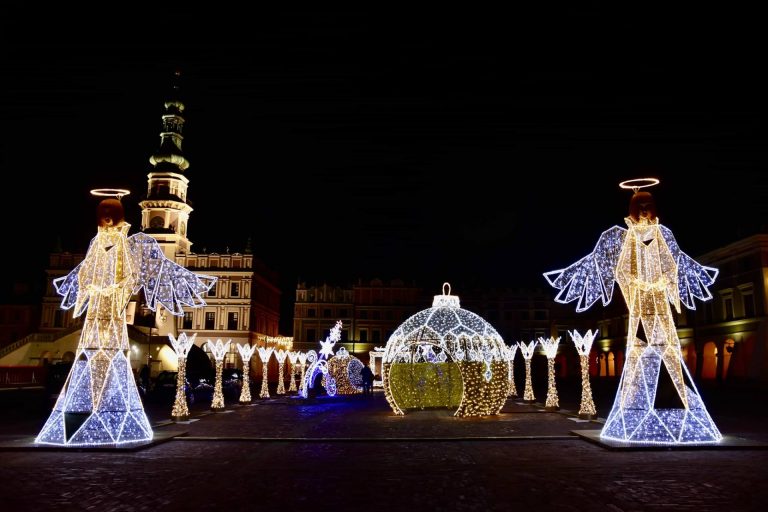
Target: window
{"points": [[311, 313], [748, 299], [212, 291], [363, 335], [539, 315], [363, 314], [311, 336], [728, 308], [58, 318], [234, 289], [326, 313], [344, 313], [210, 320], [376, 336], [232, 321], [187, 323], [376, 314], [524, 315]]}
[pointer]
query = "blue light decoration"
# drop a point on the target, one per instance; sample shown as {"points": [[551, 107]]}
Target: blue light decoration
{"points": [[99, 403], [652, 273], [319, 364]]}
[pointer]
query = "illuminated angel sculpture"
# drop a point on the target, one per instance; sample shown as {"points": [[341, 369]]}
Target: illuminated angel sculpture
{"points": [[656, 401], [99, 403]]}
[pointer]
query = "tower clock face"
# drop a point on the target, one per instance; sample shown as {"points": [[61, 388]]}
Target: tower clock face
{"points": [[156, 222]]}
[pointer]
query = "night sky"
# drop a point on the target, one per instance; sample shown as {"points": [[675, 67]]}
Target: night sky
{"points": [[481, 148]]}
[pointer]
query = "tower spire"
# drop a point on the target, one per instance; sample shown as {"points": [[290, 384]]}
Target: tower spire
{"points": [[165, 211], [169, 156]]}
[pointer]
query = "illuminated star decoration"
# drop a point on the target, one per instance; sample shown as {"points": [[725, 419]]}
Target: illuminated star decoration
{"points": [[583, 344], [652, 273], [99, 403], [456, 355], [326, 350], [246, 353], [181, 346], [219, 350]]}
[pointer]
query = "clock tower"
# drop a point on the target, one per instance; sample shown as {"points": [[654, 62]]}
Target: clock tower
{"points": [[165, 211]]}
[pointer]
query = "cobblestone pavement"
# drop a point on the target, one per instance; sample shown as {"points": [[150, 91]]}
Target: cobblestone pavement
{"points": [[353, 454]]}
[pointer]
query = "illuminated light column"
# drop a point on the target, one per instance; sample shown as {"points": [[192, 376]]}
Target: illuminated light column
{"points": [[219, 350], [550, 350], [303, 367], [583, 344], [652, 273], [527, 351], [181, 346], [246, 352], [293, 357], [264, 355], [99, 403], [509, 356], [281, 355]]}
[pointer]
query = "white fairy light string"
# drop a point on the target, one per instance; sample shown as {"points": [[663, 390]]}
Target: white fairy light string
{"points": [[264, 355], [99, 403], [293, 357], [527, 351], [455, 358], [583, 344], [652, 273], [246, 353], [303, 367], [280, 355], [219, 350], [181, 346], [509, 356], [550, 344]]}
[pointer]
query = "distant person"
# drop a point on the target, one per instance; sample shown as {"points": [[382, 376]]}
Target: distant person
{"points": [[367, 376]]}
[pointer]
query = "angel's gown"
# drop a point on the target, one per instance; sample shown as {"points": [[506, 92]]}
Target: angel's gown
{"points": [[99, 402], [656, 401]]}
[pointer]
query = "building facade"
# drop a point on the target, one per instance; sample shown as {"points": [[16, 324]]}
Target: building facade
{"points": [[243, 306]]}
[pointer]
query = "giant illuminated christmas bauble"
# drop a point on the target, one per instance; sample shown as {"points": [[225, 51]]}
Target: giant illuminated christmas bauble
{"points": [[446, 357]]}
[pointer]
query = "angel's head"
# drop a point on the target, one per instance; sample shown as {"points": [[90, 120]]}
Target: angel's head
{"points": [[642, 206], [110, 213]]}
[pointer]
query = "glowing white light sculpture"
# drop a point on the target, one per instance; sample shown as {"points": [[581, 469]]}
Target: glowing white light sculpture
{"points": [[99, 403], [264, 355], [319, 364], [181, 346], [583, 344], [552, 402], [652, 272], [509, 357], [303, 367], [219, 350], [345, 370], [281, 355], [293, 357], [246, 352], [527, 351], [455, 356]]}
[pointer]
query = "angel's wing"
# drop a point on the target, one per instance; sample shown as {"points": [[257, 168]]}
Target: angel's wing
{"points": [[591, 277], [693, 279], [165, 281], [67, 286]]}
